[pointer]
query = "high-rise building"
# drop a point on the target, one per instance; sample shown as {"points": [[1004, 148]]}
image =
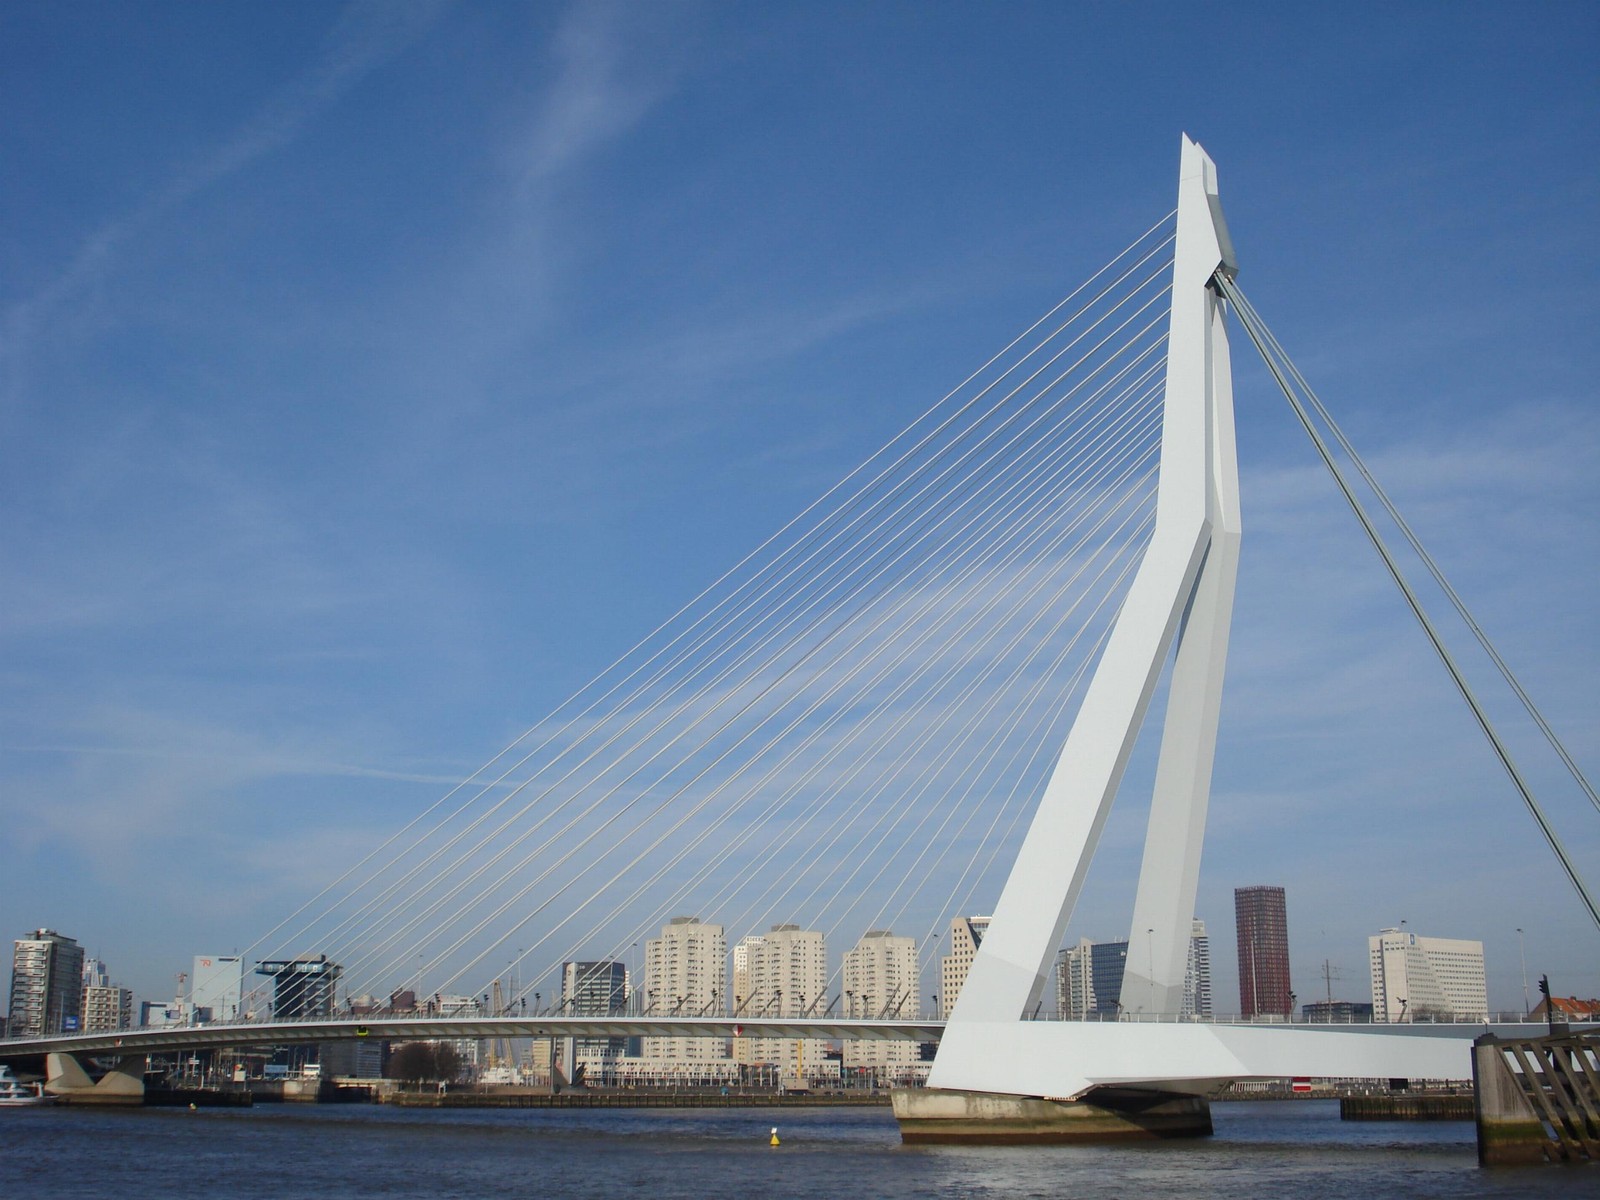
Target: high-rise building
{"points": [[966, 935], [1075, 981], [302, 988], [1418, 978], [788, 972], [217, 986], [685, 973], [1262, 922], [1089, 978], [595, 989], [1107, 963], [745, 1001], [1197, 973], [46, 985], [107, 1007], [741, 973], [880, 980]]}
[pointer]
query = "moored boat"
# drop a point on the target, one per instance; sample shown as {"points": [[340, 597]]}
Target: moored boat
{"points": [[16, 1094]]}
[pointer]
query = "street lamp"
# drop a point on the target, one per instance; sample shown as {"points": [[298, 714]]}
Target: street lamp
{"points": [[1522, 955], [1150, 943]]}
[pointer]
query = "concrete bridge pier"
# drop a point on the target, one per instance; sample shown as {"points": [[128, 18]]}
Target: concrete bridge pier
{"points": [[1524, 1087], [945, 1115], [70, 1083]]}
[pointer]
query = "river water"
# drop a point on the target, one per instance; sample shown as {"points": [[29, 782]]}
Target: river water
{"points": [[1291, 1149]]}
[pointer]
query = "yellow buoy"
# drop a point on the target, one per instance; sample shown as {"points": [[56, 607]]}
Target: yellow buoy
{"points": [[193, 1107], [775, 1141]]}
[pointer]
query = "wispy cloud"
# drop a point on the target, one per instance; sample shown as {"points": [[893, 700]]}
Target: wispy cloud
{"points": [[367, 34], [599, 91]]}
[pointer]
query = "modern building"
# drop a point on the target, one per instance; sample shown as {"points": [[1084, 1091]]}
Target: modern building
{"points": [[217, 986], [1089, 978], [966, 935], [686, 973], [444, 1004], [356, 1059], [1197, 974], [788, 977], [1262, 923], [1075, 982], [106, 1008], [1337, 1012], [302, 988], [1417, 978], [880, 980], [595, 989], [46, 985], [741, 973], [1107, 963], [158, 1014]]}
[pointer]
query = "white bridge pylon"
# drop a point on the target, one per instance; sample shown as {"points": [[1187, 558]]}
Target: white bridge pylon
{"points": [[1183, 594]]}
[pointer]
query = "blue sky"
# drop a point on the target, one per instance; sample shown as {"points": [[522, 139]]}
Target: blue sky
{"points": [[371, 375]]}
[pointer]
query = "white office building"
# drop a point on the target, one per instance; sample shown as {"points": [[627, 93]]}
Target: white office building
{"points": [[1416, 978], [217, 986]]}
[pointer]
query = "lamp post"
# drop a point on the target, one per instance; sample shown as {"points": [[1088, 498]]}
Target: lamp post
{"points": [[1523, 957], [1150, 944]]}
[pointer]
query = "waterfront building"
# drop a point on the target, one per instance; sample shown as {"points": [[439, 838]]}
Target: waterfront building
{"points": [[302, 988], [1089, 978], [685, 973], [1074, 982], [1107, 963], [788, 977], [880, 980], [741, 972], [106, 1008], [1262, 924], [1197, 974], [157, 1014], [443, 1004], [1337, 1012], [46, 985], [966, 935], [744, 1049], [217, 986], [1417, 978], [360, 1058], [595, 989]]}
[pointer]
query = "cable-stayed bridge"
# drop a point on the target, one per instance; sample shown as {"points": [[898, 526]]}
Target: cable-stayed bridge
{"points": [[915, 701]]}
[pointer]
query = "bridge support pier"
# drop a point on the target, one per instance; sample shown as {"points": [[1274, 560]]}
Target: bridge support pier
{"points": [[945, 1115], [1525, 1086], [69, 1082]]}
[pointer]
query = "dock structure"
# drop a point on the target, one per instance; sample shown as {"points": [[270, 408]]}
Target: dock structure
{"points": [[1537, 1099]]}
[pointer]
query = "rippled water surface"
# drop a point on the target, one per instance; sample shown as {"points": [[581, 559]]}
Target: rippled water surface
{"points": [[1260, 1149]]}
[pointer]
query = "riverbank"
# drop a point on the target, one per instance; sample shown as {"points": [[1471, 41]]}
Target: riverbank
{"points": [[632, 1099]]}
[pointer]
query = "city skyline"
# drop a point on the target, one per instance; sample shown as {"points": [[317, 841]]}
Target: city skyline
{"points": [[691, 965], [359, 406]]}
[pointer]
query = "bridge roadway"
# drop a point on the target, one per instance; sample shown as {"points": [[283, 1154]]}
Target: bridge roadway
{"points": [[419, 1028]]}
